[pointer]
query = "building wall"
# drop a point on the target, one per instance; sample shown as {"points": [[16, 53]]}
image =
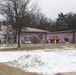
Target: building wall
{"points": [[62, 36], [39, 36], [5, 29], [46, 37]]}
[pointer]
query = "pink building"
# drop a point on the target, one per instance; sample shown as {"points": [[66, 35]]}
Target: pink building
{"points": [[32, 35], [62, 36]]}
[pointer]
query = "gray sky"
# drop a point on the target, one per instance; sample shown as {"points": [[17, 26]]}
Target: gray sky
{"points": [[51, 8]]}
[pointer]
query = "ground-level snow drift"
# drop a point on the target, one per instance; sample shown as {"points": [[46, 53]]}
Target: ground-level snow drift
{"points": [[42, 61]]}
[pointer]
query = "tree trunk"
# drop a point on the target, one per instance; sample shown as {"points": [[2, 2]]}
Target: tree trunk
{"points": [[73, 37], [15, 36], [19, 38]]}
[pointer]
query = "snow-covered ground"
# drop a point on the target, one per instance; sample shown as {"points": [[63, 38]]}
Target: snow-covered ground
{"points": [[42, 61]]}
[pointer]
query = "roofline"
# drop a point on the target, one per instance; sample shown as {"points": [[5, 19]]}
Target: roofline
{"points": [[39, 31], [68, 31], [31, 32]]}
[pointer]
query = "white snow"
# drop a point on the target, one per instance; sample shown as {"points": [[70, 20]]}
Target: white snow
{"points": [[42, 61], [10, 55]]}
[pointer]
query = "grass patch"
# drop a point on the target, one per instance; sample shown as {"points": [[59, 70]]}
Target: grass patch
{"points": [[38, 46]]}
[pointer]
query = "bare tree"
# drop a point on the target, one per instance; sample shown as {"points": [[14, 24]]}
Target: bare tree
{"points": [[17, 13]]}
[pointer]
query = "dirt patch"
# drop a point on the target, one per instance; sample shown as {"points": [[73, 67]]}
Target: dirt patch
{"points": [[7, 70], [66, 73]]}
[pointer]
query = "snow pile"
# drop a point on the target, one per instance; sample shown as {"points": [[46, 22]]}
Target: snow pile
{"points": [[47, 62], [6, 56]]}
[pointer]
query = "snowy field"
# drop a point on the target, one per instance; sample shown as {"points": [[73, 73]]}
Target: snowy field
{"points": [[42, 61]]}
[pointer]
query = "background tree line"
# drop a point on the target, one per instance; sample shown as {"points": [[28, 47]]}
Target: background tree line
{"points": [[40, 21], [62, 22]]}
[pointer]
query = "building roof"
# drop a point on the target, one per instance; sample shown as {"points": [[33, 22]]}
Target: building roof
{"points": [[66, 31], [28, 29]]}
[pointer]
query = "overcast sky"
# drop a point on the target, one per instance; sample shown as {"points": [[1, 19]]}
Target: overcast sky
{"points": [[51, 8]]}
